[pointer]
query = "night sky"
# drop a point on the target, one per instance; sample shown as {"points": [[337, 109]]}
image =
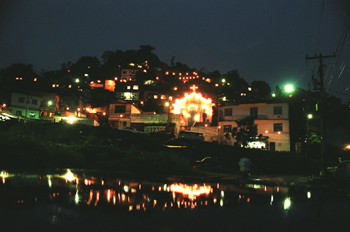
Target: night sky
{"points": [[262, 39]]}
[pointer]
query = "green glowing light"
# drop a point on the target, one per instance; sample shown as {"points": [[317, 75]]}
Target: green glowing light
{"points": [[309, 116], [289, 88], [287, 203]]}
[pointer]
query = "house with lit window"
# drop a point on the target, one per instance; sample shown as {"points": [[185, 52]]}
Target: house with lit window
{"points": [[124, 114], [25, 105], [271, 121]]}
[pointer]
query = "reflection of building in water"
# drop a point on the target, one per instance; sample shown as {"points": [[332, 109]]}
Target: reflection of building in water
{"points": [[133, 196]]}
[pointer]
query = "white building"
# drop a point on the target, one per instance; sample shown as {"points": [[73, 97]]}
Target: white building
{"points": [[272, 121], [25, 105]]}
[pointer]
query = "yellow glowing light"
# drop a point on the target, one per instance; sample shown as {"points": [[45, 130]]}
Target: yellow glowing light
{"points": [[4, 174], [71, 120], [191, 100], [69, 175], [191, 191]]}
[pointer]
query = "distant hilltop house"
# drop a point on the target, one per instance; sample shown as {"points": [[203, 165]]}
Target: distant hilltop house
{"points": [[270, 119]]}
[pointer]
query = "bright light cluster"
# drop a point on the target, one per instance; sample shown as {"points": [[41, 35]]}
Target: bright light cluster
{"points": [[191, 191], [190, 101]]}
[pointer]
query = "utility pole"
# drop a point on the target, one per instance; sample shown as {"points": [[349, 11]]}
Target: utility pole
{"points": [[320, 59]]}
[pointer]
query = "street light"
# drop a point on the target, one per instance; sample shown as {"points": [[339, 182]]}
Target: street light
{"points": [[289, 88], [309, 116]]}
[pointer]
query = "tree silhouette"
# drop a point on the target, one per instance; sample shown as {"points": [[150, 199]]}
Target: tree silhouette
{"points": [[244, 131]]}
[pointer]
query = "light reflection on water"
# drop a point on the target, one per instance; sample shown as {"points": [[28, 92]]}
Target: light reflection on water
{"points": [[82, 190]]}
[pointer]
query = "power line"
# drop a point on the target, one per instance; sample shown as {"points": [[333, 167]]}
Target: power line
{"points": [[339, 47]]}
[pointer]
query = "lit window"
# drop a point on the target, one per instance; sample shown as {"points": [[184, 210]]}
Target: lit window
{"points": [[249, 88], [166, 73], [155, 96], [128, 87], [69, 86], [86, 74], [162, 97], [135, 87], [53, 85], [32, 115], [35, 79]]}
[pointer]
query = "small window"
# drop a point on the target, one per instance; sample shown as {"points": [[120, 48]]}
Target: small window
{"points": [[124, 123], [228, 112], [21, 100], [135, 87], [34, 101], [120, 109], [277, 110], [254, 112], [18, 112], [277, 127], [155, 96], [227, 128]]}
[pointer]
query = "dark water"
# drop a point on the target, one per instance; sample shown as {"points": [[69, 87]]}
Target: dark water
{"points": [[90, 202]]}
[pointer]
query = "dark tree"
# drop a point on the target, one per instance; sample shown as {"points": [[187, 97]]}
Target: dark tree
{"points": [[244, 131], [17, 77], [261, 89]]}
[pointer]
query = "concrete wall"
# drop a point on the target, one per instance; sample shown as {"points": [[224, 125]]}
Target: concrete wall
{"points": [[210, 133], [157, 119]]}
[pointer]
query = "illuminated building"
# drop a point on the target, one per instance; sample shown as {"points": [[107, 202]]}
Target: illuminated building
{"points": [[25, 105], [271, 120], [193, 108]]}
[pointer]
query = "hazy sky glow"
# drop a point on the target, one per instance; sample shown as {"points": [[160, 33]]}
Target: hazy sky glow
{"points": [[264, 40]]}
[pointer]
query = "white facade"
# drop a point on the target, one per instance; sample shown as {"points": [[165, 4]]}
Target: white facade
{"points": [[272, 120], [25, 105]]}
